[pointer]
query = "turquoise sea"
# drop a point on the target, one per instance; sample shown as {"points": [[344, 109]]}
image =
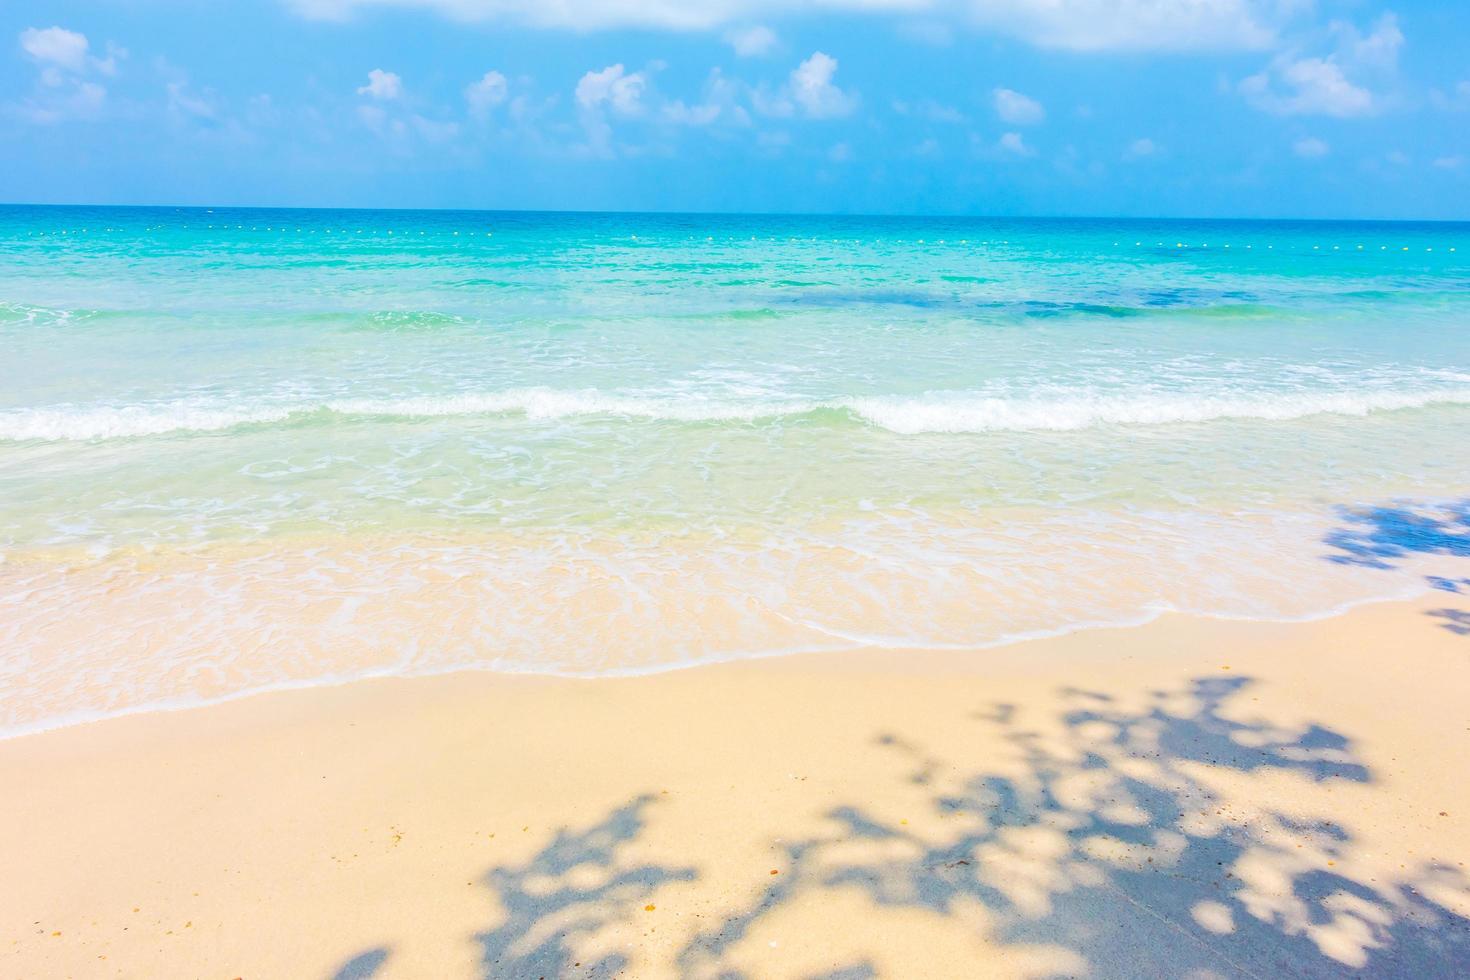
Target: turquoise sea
{"points": [[243, 449]]}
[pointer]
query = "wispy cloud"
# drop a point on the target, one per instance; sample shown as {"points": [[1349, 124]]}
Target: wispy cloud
{"points": [[1076, 25], [486, 93], [751, 42], [1017, 109], [1329, 85], [56, 47], [1015, 145], [614, 87], [809, 91], [1141, 148], [382, 85], [1310, 148], [67, 85]]}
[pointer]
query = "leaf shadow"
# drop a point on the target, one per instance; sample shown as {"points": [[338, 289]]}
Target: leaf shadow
{"points": [[1111, 845]]}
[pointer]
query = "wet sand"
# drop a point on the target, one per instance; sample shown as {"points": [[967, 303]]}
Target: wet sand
{"points": [[1187, 798]]}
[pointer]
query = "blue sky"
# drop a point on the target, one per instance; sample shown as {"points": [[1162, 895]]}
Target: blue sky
{"points": [[1112, 107]]}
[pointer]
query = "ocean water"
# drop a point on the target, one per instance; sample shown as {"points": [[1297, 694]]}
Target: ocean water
{"points": [[242, 449]]}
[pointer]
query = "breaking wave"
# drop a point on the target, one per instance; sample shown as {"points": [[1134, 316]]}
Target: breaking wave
{"points": [[948, 412]]}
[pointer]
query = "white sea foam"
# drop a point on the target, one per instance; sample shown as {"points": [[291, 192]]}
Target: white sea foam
{"points": [[61, 423], [965, 413], [199, 626], [942, 412], [548, 403]]}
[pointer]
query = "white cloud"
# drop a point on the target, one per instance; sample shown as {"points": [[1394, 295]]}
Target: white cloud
{"points": [[56, 46], [1134, 25], [1329, 85], [1306, 87], [1450, 163], [1078, 25], [399, 129], [701, 114], [928, 109], [1017, 109], [81, 100], [388, 114], [434, 130], [839, 153], [1455, 101], [374, 118], [1379, 49], [1140, 148], [812, 90], [751, 42], [184, 102], [612, 87], [485, 94], [63, 90], [1015, 144], [1310, 148], [721, 103], [382, 85]]}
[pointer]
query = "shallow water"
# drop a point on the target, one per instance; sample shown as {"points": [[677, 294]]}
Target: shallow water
{"points": [[248, 448]]}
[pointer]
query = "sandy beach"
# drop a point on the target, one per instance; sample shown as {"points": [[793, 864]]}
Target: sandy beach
{"points": [[606, 490], [1187, 798]]}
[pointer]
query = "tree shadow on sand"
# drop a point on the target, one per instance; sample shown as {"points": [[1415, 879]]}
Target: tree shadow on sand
{"points": [[555, 904], [1110, 848], [1117, 839], [1375, 537], [1384, 536], [572, 889]]}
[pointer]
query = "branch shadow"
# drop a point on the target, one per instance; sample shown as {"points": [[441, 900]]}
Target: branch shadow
{"points": [[1103, 839], [573, 888], [1111, 846], [1383, 536], [1457, 621], [1375, 536], [555, 904], [362, 966]]}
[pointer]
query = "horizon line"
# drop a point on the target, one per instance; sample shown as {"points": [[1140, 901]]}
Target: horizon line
{"points": [[732, 214]]}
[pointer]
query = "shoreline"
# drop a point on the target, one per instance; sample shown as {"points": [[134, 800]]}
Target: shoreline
{"points": [[1235, 796], [860, 645]]}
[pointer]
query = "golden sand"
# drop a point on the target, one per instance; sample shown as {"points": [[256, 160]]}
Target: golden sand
{"points": [[1191, 797]]}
